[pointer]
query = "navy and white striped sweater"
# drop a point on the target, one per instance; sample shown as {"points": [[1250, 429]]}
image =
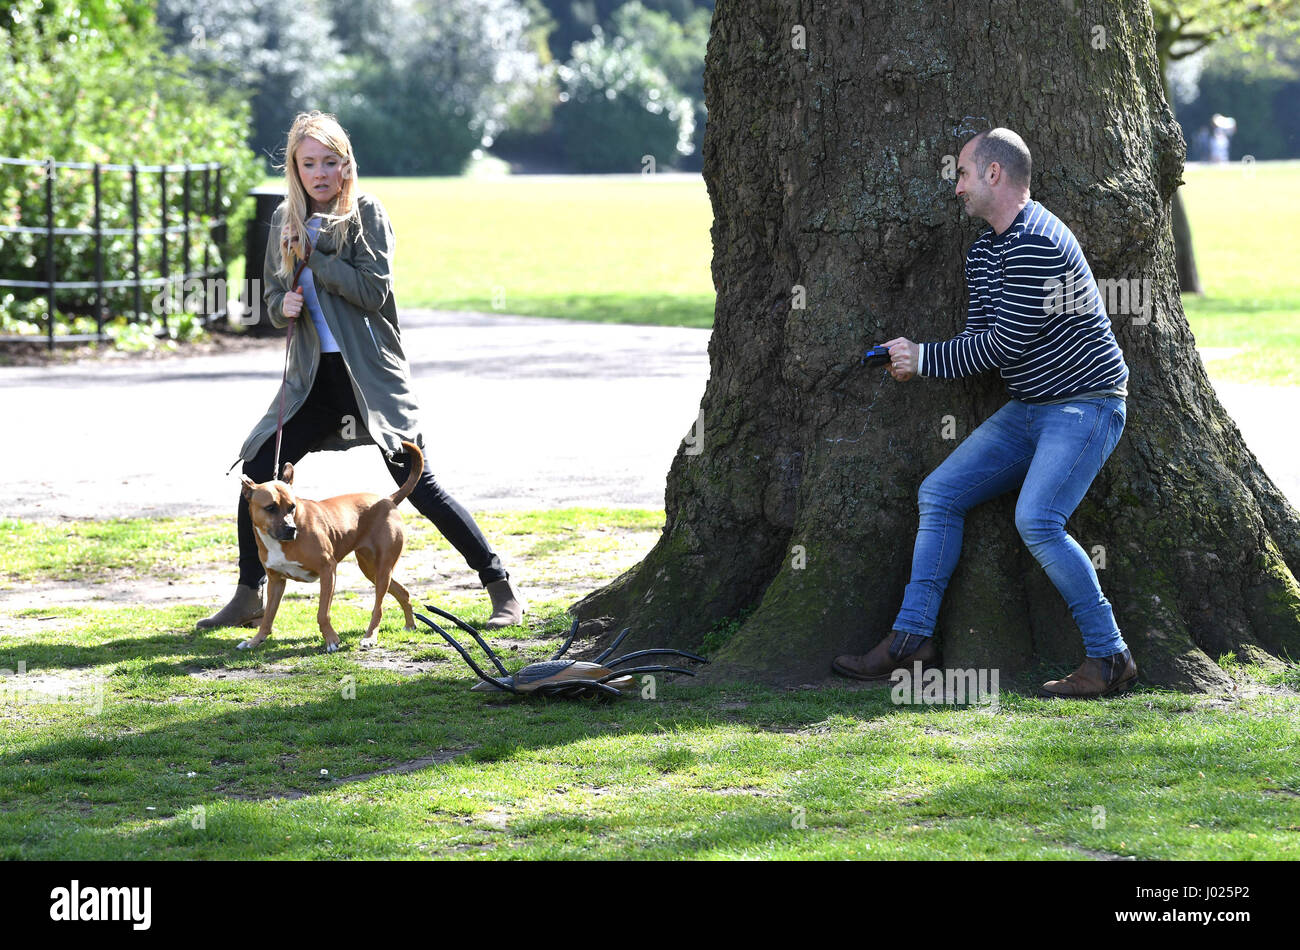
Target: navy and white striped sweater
{"points": [[1035, 313]]}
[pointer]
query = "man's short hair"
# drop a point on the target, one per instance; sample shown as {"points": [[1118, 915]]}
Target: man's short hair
{"points": [[1008, 150]]}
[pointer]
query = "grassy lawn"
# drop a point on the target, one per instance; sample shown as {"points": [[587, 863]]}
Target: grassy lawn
{"points": [[168, 743], [624, 249], [1243, 228]]}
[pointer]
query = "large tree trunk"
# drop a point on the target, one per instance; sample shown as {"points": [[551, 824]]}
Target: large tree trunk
{"points": [[825, 169]]}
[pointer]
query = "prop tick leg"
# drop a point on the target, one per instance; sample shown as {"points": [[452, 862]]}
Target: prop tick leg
{"points": [[573, 632], [639, 653], [473, 633], [506, 687], [613, 646]]}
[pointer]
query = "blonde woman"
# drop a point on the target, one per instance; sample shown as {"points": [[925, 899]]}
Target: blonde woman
{"points": [[348, 381]]}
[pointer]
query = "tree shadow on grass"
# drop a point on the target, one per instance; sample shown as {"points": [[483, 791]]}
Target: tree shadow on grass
{"points": [[206, 650]]}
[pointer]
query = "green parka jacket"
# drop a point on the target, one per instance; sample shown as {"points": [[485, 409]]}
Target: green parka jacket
{"points": [[354, 284]]}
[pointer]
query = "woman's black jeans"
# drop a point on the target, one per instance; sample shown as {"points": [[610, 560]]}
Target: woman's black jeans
{"points": [[330, 400]]}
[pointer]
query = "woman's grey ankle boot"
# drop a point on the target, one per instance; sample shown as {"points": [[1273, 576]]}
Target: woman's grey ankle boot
{"points": [[507, 606], [244, 609]]}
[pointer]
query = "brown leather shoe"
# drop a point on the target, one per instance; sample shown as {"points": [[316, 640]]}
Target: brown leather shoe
{"points": [[1095, 678], [880, 663]]}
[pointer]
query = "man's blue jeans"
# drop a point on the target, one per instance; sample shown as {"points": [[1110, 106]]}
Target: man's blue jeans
{"points": [[1052, 453]]}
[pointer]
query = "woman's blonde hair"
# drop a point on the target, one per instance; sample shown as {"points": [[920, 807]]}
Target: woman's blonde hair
{"points": [[343, 213]]}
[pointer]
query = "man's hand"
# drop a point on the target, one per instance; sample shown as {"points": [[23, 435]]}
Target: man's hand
{"points": [[903, 356], [293, 303]]}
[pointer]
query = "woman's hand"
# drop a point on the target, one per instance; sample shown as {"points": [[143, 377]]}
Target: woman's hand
{"points": [[903, 356], [293, 303]]}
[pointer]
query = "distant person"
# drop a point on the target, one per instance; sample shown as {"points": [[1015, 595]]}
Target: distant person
{"points": [[1067, 380], [348, 380], [1225, 127]]}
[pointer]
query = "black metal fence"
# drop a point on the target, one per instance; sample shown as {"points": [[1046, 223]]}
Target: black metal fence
{"points": [[203, 215]]}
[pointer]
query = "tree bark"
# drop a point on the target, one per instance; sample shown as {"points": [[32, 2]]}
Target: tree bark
{"points": [[825, 167]]}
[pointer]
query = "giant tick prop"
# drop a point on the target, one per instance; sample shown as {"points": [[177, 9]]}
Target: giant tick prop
{"points": [[601, 678]]}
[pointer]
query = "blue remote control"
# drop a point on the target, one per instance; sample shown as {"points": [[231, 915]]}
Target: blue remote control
{"points": [[876, 356]]}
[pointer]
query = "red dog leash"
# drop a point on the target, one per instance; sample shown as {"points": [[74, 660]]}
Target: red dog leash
{"points": [[279, 421]]}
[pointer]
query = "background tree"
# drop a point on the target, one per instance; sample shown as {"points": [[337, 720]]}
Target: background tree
{"points": [[617, 108], [107, 16], [832, 126], [435, 79], [626, 81], [419, 84], [1185, 28], [282, 57], [575, 20], [1258, 87], [676, 47]]}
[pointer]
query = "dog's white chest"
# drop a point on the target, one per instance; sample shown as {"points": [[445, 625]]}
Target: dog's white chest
{"points": [[276, 561]]}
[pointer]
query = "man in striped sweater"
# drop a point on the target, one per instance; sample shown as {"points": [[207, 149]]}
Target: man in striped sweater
{"points": [[1035, 315]]}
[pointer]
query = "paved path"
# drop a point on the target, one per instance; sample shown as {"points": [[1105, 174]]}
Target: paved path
{"points": [[518, 412], [521, 413]]}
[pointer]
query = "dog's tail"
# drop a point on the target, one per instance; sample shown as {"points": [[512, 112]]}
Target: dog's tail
{"points": [[417, 468]]}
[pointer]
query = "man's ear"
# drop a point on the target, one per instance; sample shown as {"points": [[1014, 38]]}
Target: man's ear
{"points": [[994, 173], [287, 474], [249, 485]]}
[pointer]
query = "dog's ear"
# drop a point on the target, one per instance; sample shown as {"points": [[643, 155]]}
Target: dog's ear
{"points": [[287, 475], [249, 485]]}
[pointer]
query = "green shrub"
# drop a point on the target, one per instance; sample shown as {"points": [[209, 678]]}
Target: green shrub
{"points": [[76, 91]]}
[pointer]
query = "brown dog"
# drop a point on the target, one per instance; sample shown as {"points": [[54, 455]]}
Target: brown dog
{"points": [[305, 540]]}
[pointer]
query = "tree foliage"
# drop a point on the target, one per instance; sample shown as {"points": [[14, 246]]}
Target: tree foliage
{"points": [[418, 83], [1258, 87], [1186, 27], [439, 78], [575, 21], [617, 108], [677, 47], [282, 58]]}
